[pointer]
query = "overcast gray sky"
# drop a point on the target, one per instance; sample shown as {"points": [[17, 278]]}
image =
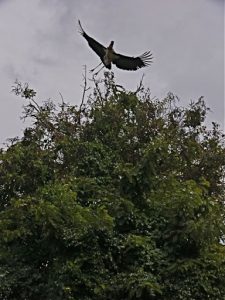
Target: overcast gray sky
{"points": [[40, 45]]}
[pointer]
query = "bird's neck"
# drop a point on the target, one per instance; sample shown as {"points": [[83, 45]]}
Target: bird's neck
{"points": [[110, 46]]}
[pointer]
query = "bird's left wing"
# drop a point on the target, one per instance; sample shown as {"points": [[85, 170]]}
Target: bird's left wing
{"points": [[96, 46], [132, 63]]}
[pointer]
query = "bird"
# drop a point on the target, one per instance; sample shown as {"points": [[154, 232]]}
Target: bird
{"points": [[108, 56]]}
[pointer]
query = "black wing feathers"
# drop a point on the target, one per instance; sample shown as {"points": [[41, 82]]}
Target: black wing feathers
{"points": [[121, 61], [96, 46], [132, 63]]}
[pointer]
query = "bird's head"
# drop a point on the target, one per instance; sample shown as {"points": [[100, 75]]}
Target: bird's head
{"points": [[111, 45]]}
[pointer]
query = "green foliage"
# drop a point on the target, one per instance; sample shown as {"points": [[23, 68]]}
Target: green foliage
{"points": [[120, 198]]}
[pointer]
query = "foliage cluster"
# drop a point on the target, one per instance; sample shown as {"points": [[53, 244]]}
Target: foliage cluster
{"points": [[119, 198]]}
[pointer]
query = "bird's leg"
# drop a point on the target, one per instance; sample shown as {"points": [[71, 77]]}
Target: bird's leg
{"points": [[92, 70], [98, 71]]}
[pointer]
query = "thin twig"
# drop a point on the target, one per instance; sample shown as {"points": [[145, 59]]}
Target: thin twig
{"points": [[140, 86], [63, 102], [85, 88]]}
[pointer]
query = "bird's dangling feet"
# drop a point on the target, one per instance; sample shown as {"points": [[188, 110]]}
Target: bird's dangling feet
{"points": [[96, 73], [92, 70]]}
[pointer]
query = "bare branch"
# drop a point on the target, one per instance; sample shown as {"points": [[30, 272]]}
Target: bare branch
{"points": [[140, 86], [85, 88], [63, 102]]}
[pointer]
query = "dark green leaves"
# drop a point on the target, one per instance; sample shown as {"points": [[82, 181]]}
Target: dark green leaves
{"points": [[120, 198]]}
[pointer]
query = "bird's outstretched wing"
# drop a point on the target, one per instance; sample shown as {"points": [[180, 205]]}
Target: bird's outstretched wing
{"points": [[96, 46], [132, 63]]}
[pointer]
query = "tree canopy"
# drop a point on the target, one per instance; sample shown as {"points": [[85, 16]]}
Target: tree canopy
{"points": [[121, 197]]}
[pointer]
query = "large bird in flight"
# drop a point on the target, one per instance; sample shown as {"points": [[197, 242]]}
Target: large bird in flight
{"points": [[109, 56]]}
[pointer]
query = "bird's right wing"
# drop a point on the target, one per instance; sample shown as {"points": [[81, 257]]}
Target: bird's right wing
{"points": [[96, 46], [132, 63]]}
